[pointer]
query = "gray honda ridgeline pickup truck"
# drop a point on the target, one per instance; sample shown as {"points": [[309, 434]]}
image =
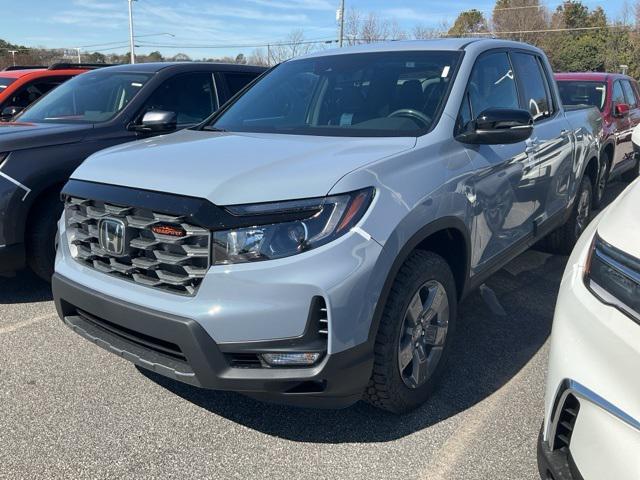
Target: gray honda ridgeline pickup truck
{"points": [[310, 242]]}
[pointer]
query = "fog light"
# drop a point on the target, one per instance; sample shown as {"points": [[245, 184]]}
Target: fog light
{"points": [[288, 359]]}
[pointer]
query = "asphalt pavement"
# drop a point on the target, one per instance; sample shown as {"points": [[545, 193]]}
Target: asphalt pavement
{"points": [[68, 409]]}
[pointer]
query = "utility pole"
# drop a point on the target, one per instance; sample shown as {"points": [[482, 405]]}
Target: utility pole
{"points": [[77, 49], [341, 18], [13, 54], [131, 44]]}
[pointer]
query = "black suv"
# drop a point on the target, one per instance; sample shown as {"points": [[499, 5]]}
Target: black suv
{"points": [[93, 111]]}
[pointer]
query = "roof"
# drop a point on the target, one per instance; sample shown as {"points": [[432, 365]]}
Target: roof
{"points": [[589, 76], [19, 73], [413, 45], [154, 67]]}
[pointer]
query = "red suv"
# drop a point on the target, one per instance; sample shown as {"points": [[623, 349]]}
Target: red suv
{"points": [[20, 86], [618, 98]]}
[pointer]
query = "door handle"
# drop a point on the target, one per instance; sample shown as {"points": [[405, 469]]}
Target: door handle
{"points": [[530, 145]]}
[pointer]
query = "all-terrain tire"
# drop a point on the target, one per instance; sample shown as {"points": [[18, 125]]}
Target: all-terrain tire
{"points": [[386, 388]]}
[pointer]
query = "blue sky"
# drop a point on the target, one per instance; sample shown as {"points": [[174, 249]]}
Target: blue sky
{"points": [[75, 23]]}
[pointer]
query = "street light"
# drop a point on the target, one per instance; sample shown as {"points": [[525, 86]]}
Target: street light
{"points": [[131, 44], [77, 49], [13, 54], [340, 15]]}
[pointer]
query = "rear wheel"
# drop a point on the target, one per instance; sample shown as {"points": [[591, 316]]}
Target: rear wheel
{"points": [[564, 238], [603, 179], [415, 333], [41, 236]]}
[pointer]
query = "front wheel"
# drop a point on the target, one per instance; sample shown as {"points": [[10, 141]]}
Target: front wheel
{"points": [[41, 236], [415, 333]]}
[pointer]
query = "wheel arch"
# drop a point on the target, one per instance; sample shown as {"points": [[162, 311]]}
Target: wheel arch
{"points": [[449, 237]]}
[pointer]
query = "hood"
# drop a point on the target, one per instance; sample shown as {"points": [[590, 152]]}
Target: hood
{"points": [[21, 135], [236, 168], [620, 223]]}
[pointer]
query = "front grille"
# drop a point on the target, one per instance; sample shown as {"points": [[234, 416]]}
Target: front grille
{"points": [[159, 260]]}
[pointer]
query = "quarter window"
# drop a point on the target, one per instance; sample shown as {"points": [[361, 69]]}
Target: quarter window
{"points": [[533, 84]]}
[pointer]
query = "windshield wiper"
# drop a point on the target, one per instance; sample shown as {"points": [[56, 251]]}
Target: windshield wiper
{"points": [[210, 128]]}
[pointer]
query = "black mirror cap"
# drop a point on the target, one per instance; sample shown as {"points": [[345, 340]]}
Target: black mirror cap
{"points": [[9, 112], [158, 121], [496, 126]]}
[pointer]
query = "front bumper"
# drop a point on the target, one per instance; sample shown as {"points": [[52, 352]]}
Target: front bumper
{"points": [[555, 464], [594, 356], [180, 348]]}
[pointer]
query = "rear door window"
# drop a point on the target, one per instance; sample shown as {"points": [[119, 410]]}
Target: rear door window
{"points": [[236, 81], [534, 92], [191, 96]]}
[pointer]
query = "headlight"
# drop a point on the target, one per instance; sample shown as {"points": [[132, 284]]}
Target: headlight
{"points": [[614, 277], [289, 227]]}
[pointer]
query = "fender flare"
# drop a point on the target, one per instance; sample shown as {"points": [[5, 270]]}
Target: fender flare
{"points": [[441, 224]]}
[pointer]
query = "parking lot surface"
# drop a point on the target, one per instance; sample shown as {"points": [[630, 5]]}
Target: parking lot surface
{"points": [[69, 409]]}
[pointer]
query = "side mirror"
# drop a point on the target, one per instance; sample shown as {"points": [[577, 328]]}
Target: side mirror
{"points": [[158, 121], [497, 126], [9, 112], [620, 109]]}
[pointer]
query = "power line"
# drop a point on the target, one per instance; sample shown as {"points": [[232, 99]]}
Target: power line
{"points": [[256, 45]]}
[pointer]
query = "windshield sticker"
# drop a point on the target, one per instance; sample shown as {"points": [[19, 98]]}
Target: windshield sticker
{"points": [[445, 71]]}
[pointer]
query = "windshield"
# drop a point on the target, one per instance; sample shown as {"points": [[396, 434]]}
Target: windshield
{"points": [[577, 92], [5, 82], [92, 97], [372, 94]]}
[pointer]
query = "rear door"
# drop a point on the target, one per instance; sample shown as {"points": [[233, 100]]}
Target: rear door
{"points": [[633, 117], [550, 146], [622, 132]]}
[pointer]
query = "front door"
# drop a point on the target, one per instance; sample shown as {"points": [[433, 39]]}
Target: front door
{"points": [[504, 200]]}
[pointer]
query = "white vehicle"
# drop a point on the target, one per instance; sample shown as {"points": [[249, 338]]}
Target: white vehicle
{"points": [[592, 406], [635, 140]]}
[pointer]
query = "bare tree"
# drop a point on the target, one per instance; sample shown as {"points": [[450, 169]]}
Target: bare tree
{"points": [[258, 57], [420, 32], [293, 46], [369, 28]]}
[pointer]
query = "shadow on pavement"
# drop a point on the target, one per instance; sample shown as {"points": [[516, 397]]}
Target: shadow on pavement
{"points": [[25, 287]]}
